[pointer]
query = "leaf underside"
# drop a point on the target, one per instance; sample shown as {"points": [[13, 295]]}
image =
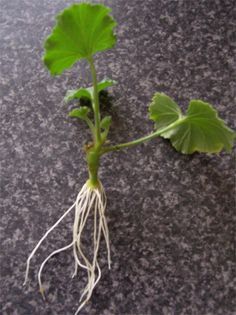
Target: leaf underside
{"points": [[88, 92], [81, 112], [81, 31], [200, 130]]}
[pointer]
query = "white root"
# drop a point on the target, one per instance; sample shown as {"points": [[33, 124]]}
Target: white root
{"points": [[87, 200], [80, 208], [46, 234], [45, 261]]}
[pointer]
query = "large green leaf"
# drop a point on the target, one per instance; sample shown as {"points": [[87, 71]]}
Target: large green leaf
{"points": [[81, 31], [200, 130], [88, 92]]}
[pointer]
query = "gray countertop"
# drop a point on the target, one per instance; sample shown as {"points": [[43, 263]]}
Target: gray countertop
{"points": [[171, 217]]}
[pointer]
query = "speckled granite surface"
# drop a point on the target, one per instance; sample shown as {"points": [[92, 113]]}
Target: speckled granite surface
{"points": [[171, 217]]}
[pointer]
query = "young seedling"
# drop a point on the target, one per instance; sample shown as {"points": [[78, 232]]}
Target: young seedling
{"points": [[81, 31]]}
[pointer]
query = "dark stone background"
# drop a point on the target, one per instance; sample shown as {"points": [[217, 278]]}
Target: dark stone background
{"points": [[171, 217]]}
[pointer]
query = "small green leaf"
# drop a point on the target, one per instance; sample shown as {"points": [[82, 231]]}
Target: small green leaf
{"points": [[77, 94], [163, 110], [200, 130], [81, 31], [88, 92], [106, 122], [102, 85], [81, 112]]}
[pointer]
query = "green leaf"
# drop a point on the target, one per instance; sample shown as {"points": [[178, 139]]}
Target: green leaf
{"points": [[88, 92], [102, 85], [81, 31], [200, 130], [77, 94], [163, 110], [81, 112], [106, 122]]}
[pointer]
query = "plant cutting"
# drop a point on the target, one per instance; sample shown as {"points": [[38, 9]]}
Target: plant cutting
{"points": [[81, 31]]}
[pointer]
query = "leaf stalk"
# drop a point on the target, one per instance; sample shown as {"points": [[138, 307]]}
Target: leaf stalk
{"points": [[145, 138]]}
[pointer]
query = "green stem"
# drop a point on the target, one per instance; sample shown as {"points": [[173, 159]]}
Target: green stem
{"points": [[143, 139], [93, 158], [93, 154], [95, 103]]}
